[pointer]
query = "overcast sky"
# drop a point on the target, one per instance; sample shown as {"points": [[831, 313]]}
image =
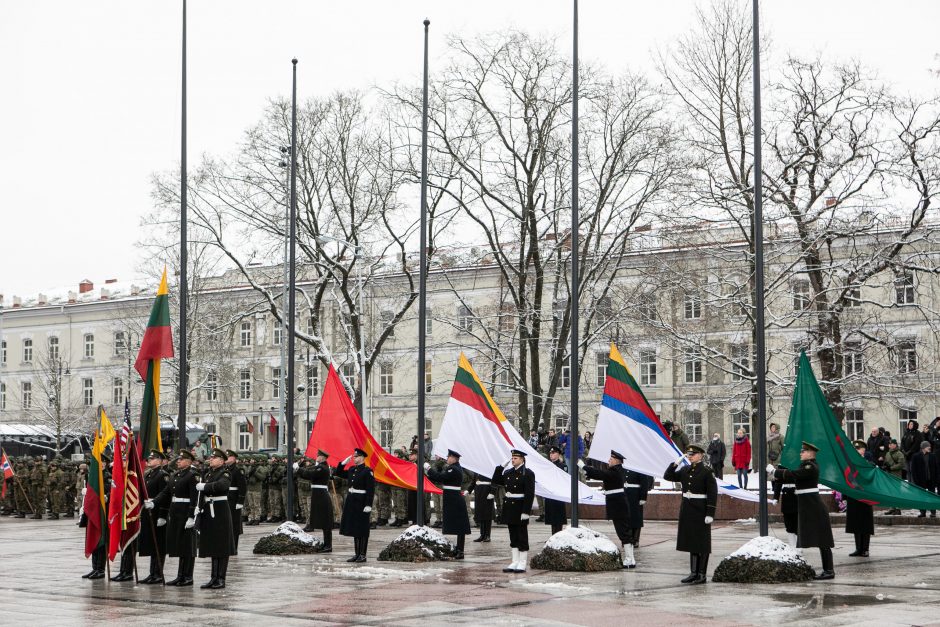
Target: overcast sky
{"points": [[91, 90]]}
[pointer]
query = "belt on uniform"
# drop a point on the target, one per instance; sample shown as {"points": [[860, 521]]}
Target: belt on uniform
{"points": [[319, 486], [356, 491], [177, 499], [211, 501], [511, 495], [632, 485], [233, 488], [451, 487], [617, 491], [483, 483], [787, 485], [807, 491], [693, 495]]}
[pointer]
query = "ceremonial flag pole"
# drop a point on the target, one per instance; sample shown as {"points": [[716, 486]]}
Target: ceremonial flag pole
{"points": [[291, 301], [574, 297], [422, 284], [181, 442]]}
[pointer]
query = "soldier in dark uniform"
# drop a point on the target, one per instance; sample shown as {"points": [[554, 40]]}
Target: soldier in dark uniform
{"points": [[636, 486], [697, 512], [455, 518], [413, 498], [483, 509], [785, 493], [99, 557], [216, 540], [814, 528], [519, 482], [152, 538], [859, 516], [237, 492], [554, 511], [618, 510], [179, 497], [321, 504], [358, 504]]}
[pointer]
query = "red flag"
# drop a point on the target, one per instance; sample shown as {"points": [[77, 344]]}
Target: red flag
{"points": [[338, 429], [128, 493], [7, 469], [272, 426], [251, 427]]}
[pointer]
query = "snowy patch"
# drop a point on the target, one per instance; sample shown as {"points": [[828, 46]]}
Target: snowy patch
{"points": [[370, 572], [582, 540], [745, 521], [293, 531], [551, 587], [920, 585], [423, 534], [768, 548]]}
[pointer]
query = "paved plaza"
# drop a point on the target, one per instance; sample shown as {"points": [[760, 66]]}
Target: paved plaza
{"points": [[43, 563]]}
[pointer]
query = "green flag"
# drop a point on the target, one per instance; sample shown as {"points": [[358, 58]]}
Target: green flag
{"points": [[840, 466]]}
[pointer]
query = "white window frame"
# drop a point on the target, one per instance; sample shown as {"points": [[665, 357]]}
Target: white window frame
{"points": [[853, 358], [905, 414], [386, 379], [53, 347], [692, 423], [244, 384], [386, 431], [464, 318], [855, 423], [119, 344], [88, 392], [28, 351], [740, 418], [800, 292], [244, 436], [646, 358], [693, 365], [692, 306], [601, 357], [740, 361], [276, 382], [212, 386], [277, 333], [244, 334], [564, 379], [26, 394], [117, 391], [905, 288], [906, 351], [88, 343]]}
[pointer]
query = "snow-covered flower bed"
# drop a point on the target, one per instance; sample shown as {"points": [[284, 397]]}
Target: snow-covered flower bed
{"points": [[763, 560], [583, 540], [768, 548], [418, 544], [578, 549], [288, 539]]}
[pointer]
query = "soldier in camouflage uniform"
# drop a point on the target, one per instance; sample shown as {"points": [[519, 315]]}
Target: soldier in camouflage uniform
{"points": [[383, 504], [81, 480], [275, 495], [400, 498], [57, 484], [71, 470], [302, 505], [253, 498], [21, 487], [37, 486]]}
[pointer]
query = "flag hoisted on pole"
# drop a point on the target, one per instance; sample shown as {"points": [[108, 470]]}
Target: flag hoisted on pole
{"points": [[93, 503], [181, 442], [156, 344], [291, 300]]}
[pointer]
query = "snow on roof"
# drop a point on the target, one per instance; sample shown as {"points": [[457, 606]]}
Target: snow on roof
{"points": [[107, 289], [9, 429]]}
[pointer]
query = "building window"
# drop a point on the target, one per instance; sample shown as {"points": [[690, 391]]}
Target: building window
{"points": [[905, 415], [646, 307], [855, 424], [386, 380], [27, 351], [244, 436], [565, 374], [741, 420], [386, 317], [907, 357], [647, 361], [561, 423], [119, 344], [278, 332], [276, 379], [244, 384], [88, 392], [313, 380], [53, 348], [428, 322], [386, 428], [244, 334], [852, 358], [692, 424], [604, 310], [89, 342], [853, 296], [800, 291], [3, 353], [740, 362], [692, 306], [27, 389], [117, 391], [349, 373], [428, 425], [904, 288], [3, 396], [693, 365], [428, 378], [601, 368], [507, 318], [212, 386], [464, 319]]}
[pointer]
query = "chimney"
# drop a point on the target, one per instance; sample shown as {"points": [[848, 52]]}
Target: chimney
{"points": [[110, 281], [17, 302], [85, 286], [72, 298], [42, 299], [831, 201], [105, 294], [134, 290]]}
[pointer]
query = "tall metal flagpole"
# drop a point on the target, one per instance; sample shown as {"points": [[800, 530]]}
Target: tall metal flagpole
{"points": [[422, 282], [184, 262], [574, 298], [760, 349], [291, 301]]}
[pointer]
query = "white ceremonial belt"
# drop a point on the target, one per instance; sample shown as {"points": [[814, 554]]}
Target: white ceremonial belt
{"points": [[451, 487], [233, 488], [617, 491], [787, 485], [808, 491], [693, 495], [213, 499], [511, 495], [632, 485], [177, 499], [356, 491], [483, 483], [319, 486]]}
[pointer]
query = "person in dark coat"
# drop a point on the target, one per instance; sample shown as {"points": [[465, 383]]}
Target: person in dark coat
{"points": [[483, 510], [618, 510], [179, 497], [237, 492], [814, 528], [555, 514], [450, 478], [519, 483], [636, 486], [99, 557], [910, 443], [859, 516], [717, 451], [152, 538], [877, 445], [925, 472], [321, 505], [358, 504], [785, 494], [412, 508], [697, 512], [216, 540]]}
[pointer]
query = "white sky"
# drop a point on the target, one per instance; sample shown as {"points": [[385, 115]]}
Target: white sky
{"points": [[90, 103]]}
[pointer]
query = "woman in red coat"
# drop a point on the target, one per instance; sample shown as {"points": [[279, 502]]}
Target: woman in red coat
{"points": [[741, 457]]}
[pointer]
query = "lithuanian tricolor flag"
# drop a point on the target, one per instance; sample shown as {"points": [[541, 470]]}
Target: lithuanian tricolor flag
{"points": [[157, 344], [93, 503]]}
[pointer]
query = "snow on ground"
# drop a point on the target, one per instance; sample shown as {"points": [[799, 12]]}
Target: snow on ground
{"points": [[371, 572], [582, 540], [293, 530], [423, 533], [550, 586], [768, 548]]}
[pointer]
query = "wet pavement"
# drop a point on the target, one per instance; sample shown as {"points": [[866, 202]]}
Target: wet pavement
{"points": [[898, 585]]}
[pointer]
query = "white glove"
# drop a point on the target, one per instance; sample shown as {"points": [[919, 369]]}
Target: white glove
{"points": [[524, 517], [190, 523], [679, 461], [84, 490], [770, 469], [200, 487], [148, 504], [508, 464], [161, 522], [296, 466], [426, 466], [346, 461], [709, 520], [367, 509], [491, 496], [642, 502], [580, 463], [239, 506]]}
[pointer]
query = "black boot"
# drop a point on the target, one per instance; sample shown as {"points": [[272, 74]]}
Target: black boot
{"points": [[858, 546], [702, 569], [458, 552], [180, 573], [327, 540], [215, 574], [827, 571], [489, 529], [556, 528], [693, 568], [355, 558], [220, 573], [363, 547], [187, 564], [866, 543]]}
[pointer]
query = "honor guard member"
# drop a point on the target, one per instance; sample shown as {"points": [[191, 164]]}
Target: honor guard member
{"points": [[358, 504], [216, 540], [483, 509], [179, 497], [785, 493], [618, 510], [237, 493], [519, 482], [413, 498], [859, 516], [455, 518], [99, 557], [321, 504], [554, 511], [151, 542], [813, 518], [697, 512], [636, 487]]}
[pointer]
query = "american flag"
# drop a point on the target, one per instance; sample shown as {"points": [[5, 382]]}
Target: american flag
{"points": [[126, 429]]}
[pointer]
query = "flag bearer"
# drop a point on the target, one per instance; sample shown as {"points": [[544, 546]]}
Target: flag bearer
{"points": [[455, 518], [618, 510], [636, 486], [321, 504], [697, 512], [519, 483], [179, 497], [859, 516], [152, 538], [554, 511], [358, 504]]}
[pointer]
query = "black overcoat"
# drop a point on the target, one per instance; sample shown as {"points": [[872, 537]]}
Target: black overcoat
{"points": [[156, 480], [699, 498], [359, 495], [613, 477], [180, 542], [636, 486], [859, 517], [215, 519], [813, 517], [786, 495], [555, 513], [450, 478], [520, 492], [321, 503]]}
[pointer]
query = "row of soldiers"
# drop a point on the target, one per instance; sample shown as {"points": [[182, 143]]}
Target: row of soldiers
{"points": [[43, 487]]}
